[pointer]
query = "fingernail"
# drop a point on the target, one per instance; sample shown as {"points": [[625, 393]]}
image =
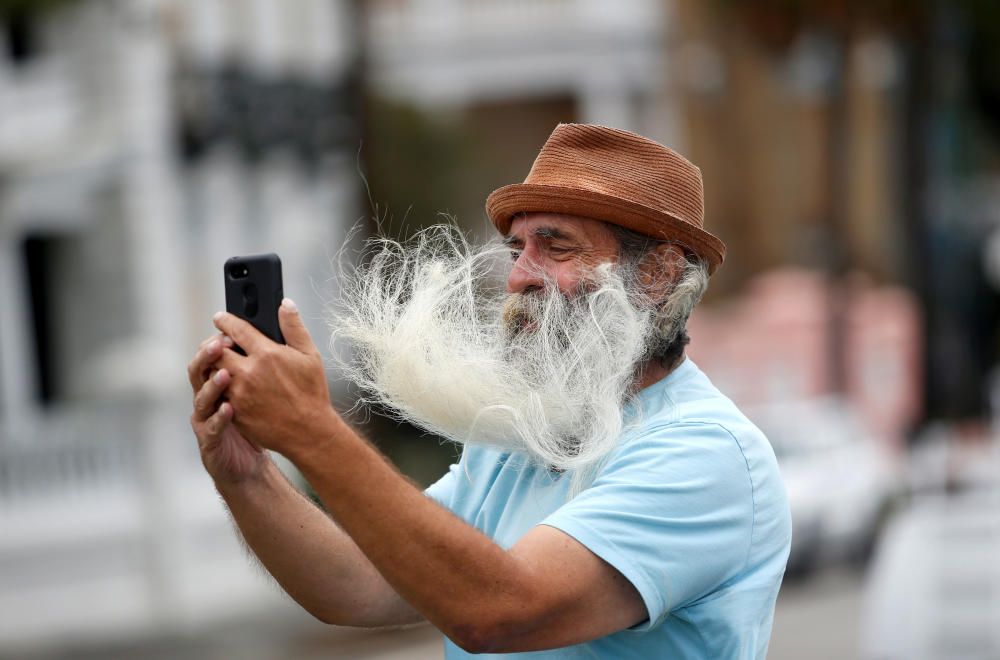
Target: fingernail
{"points": [[227, 340], [289, 304], [217, 316], [213, 346], [217, 377]]}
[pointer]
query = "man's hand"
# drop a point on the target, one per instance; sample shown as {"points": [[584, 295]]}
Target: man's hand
{"points": [[279, 394], [312, 558], [227, 455]]}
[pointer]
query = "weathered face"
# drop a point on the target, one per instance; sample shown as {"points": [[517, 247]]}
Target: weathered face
{"points": [[556, 248]]}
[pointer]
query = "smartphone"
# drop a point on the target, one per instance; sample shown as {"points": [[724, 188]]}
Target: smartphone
{"points": [[254, 292]]}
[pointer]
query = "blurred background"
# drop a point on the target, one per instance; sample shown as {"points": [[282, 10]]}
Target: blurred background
{"points": [[851, 157]]}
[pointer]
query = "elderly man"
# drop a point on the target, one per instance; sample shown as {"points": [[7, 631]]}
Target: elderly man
{"points": [[609, 501]]}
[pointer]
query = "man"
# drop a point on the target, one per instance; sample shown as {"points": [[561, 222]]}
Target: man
{"points": [[609, 501]]}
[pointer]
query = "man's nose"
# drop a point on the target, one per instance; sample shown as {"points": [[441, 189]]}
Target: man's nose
{"points": [[524, 276]]}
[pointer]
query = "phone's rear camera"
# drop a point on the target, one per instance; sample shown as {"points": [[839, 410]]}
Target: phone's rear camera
{"points": [[238, 271]]}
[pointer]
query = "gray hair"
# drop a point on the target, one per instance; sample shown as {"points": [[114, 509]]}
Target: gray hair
{"points": [[685, 292]]}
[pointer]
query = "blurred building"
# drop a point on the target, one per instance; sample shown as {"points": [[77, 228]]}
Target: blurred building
{"points": [[606, 58], [142, 142], [797, 132], [496, 76], [844, 137]]}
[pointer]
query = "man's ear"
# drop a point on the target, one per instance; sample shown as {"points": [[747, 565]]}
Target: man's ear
{"points": [[659, 269]]}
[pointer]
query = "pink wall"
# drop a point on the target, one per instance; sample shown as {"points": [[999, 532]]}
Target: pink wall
{"points": [[771, 344]]}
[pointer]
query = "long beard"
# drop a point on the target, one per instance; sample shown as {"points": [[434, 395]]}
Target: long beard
{"points": [[540, 373]]}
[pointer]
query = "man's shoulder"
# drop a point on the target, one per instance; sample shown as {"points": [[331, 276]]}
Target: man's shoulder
{"points": [[687, 398], [693, 431], [688, 416]]}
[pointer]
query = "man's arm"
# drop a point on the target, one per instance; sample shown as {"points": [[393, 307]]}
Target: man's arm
{"points": [[545, 592], [312, 559]]}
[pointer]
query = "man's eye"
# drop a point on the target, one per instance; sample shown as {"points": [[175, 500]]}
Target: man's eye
{"points": [[514, 254]]}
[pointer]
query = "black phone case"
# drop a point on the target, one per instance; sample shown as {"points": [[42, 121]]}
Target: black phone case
{"points": [[254, 292]]}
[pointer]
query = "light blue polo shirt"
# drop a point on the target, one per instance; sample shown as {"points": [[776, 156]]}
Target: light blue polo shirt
{"points": [[690, 508]]}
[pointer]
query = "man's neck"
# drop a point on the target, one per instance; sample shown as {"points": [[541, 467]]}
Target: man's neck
{"points": [[652, 371]]}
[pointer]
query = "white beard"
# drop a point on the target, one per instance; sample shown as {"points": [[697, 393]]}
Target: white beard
{"points": [[447, 350]]}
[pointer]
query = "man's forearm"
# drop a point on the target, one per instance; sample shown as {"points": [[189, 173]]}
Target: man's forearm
{"points": [[313, 560], [454, 575]]}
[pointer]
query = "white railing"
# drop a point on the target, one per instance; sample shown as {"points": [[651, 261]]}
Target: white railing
{"points": [[109, 526], [64, 452]]}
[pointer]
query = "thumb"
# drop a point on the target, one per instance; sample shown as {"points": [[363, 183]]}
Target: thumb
{"points": [[293, 329]]}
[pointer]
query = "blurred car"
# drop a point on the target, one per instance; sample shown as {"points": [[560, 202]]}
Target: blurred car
{"points": [[933, 588], [841, 480]]}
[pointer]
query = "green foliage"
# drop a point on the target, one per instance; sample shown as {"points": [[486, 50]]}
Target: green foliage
{"points": [[414, 163], [416, 166]]}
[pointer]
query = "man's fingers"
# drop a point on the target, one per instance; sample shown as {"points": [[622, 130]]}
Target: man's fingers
{"points": [[208, 395], [209, 351], [231, 361], [293, 329], [249, 338], [202, 359], [224, 338], [216, 424]]}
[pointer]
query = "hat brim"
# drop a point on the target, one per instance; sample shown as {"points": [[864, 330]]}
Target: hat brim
{"points": [[504, 203]]}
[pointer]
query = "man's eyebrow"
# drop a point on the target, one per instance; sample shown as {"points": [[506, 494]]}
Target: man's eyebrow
{"points": [[541, 232], [551, 232]]}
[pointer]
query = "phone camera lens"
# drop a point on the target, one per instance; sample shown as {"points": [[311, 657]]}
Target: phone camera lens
{"points": [[239, 271]]}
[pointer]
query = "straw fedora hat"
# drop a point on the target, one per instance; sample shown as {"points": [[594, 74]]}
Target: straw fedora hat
{"points": [[618, 177]]}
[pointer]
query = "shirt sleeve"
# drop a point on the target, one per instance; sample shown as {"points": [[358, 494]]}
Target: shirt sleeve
{"points": [[672, 511], [442, 491]]}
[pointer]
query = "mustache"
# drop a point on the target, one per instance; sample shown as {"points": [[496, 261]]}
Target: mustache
{"points": [[520, 312], [544, 316], [514, 316]]}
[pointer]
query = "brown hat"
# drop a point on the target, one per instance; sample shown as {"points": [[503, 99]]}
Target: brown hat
{"points": [[618, 177]]}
